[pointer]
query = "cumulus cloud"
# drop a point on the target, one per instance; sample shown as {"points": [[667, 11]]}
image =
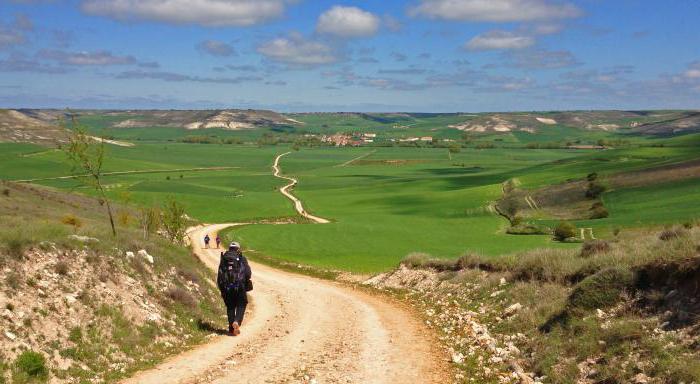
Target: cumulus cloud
{"points": [[13, 34], [495, 10], [21, 63], [298, 51], [216, 48], [98, 58], [348, 22], [493, 40], [211, 13]]}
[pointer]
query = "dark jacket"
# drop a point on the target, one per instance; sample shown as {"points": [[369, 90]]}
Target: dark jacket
{"points": [[230, 256]]}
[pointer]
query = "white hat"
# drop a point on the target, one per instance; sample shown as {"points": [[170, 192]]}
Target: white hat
{"points": [[234, 245]]}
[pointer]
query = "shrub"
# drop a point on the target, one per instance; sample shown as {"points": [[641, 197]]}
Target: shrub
{"points": [[595, 190], [181, 296], [61, 268], [124, 218], [688, 225], [593, 176], [6, 192], [600, 290], [189, 275], [594, 247], [30, 366], [14, 247], [599, 213], [529, 229], [72, 220], [564, 230], [12, 280], [670, 234]]}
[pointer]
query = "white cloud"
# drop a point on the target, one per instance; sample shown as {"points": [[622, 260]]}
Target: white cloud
{"points": [[499, 40], [348, 22], [216, 48], [693, 71], [212, 13], [99, 58], [8, 38], [495, 10], [296, 50]]}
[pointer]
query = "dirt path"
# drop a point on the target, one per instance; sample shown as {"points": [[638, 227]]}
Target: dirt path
{"points": [[286, 192], [299, 326]]}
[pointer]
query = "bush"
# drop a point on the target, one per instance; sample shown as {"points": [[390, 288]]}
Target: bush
{"points": [[595, 190], [601, 290], [6, 192], [564, 230], [592, 176], [61, 268], [670, 234], [181, 296], [14, 247], [594, 247], [72, 220], [599, 213], [528, 229], [688, 225], [30, 366], [12, 280]]}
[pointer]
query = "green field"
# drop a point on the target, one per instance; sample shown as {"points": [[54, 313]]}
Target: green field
{"points": [[387, 203]]}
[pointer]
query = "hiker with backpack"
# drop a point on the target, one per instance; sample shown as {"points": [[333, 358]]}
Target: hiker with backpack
{"points": [[234, 282], [206, 241], [218, 242]]}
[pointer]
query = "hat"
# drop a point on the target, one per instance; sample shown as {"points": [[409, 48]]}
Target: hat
{"points": [[234, 245]]}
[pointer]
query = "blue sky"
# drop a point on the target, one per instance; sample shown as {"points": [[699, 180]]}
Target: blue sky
{"points": [[306, 55]]}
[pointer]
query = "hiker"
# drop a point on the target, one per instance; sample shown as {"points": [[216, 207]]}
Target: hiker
{"points": [[234, 282], [218, 242], [206, 241]]}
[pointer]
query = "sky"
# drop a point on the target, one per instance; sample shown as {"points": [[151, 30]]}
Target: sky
{"points": [[373, 56]]}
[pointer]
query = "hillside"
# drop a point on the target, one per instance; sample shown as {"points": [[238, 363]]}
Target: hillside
{"points": [[617, 311], [30, 126], [233, 119], [81, 306]]}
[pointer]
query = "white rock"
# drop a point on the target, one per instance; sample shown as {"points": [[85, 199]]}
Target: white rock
{"points": [[599, 313], [70, 299], [511, 310], [130, 255], [457, 358], [502, 282], [146, 256], [153, 316], [10, 335], [84, 239]]}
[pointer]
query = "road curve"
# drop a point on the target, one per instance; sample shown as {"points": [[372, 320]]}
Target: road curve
{"points": [[299, 326], [286, 192]]}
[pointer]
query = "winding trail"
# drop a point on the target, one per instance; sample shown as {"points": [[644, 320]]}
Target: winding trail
{"points": [[297, 326], [285, 190]]}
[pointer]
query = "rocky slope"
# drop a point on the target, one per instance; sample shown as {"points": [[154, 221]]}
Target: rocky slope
{"points": [[94, 308]]}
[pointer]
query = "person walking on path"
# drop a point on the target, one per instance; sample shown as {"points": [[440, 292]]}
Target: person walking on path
{"points": [[218, 242], [206, 241], [234, 281]]}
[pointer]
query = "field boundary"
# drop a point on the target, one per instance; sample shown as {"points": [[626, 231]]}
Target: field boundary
{"points": [[345, 164], [140, 172]]}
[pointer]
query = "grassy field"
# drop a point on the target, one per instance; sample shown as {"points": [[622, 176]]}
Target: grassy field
{"points": [[384, 202]]}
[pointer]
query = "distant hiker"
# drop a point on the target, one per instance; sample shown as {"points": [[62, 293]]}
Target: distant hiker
{"points": [[206, 241], [234, 281], [218, 242]]}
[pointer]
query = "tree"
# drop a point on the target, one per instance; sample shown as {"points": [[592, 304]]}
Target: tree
{"points": [[87, 154], [149, 220], [454, 148], [174, 220]]}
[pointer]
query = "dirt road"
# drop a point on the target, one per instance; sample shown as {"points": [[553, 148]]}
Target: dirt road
{"points": [[286, 192], [299, 327]]}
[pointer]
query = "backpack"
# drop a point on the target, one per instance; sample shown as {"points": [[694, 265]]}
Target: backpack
{"points": [[233, 273]]}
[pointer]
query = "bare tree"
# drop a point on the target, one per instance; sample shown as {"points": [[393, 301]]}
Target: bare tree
{"points": [[149, 218], [87, 155]]}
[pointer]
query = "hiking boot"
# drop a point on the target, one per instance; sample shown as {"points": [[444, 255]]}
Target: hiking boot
{"points": [[236, 329], [231, 329]]}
